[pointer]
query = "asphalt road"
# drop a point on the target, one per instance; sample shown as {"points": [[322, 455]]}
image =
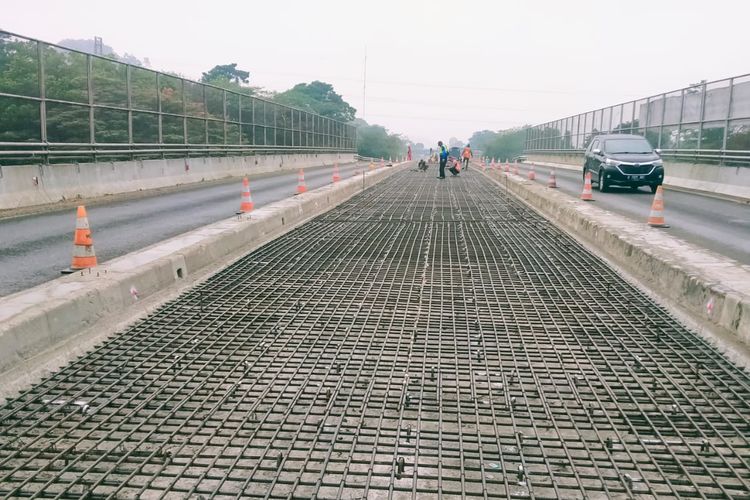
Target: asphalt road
{"points": [[35, 248], [719, 225]]}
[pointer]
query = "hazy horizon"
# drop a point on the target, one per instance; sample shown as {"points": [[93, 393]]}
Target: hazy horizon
{"points": [[433, 71]]}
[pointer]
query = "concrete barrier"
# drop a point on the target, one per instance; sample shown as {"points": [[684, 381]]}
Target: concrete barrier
{"points": [[720, 181], [677, 272], [42, 328], [30, 185]]}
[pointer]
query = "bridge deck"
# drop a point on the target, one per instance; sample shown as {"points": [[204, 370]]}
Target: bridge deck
{"points": [[425, 337]]}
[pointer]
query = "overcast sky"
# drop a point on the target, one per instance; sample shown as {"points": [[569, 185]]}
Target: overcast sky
{"points": [[435, 69]]}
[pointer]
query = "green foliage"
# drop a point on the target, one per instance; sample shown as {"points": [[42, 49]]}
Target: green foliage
{"points": [[375, 141], [228, 77], [739, 138], [317, 97], [480, 140], [193, 113], [502, 144], [226, 72], [19, 120]]}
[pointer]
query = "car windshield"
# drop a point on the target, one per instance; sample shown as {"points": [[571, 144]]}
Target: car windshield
{"points": [[636, 146]]}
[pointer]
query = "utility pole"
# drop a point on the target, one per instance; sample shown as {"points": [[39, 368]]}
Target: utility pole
{"points": [[364, 87], [98, 46]]}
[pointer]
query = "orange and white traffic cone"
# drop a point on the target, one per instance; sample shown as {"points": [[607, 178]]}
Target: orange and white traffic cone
{"points": [[532, 174], [83, 245], [587, 194], [506, 167], [301, 187], [515, 169], [656, 217], [246, 205], [552, 181], [372, 165], [382, 162], [336, 176]]}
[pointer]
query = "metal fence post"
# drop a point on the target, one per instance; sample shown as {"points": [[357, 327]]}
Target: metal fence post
{"points": [[702, 115], [90, 91], [42, 92], [128, 90], [159, 110], [661, 124], [184, 116], [729, 115]]}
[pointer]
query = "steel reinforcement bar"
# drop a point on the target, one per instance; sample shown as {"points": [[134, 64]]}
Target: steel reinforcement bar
{"points": [[425, 339]]}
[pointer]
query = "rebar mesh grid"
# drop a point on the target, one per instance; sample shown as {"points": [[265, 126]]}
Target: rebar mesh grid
{"points": [[425, 339]]}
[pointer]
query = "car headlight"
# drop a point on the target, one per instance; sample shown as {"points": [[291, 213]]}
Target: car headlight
{"points": [[611, 162], [658, 163]]}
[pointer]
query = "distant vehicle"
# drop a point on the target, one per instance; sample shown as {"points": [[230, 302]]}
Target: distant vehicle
{"points": [[519, 159], [623, 160], [454, 153]]}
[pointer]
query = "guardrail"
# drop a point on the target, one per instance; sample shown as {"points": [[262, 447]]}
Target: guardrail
{"points": [[707, 122], [59, 104], [67, 152], [709, 156]]}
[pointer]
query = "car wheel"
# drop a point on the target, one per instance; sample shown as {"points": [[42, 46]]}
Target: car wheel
{"points": [[654, 187], [603, 187]]}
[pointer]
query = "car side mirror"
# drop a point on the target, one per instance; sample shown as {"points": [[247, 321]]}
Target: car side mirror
{"points": [[657, 151], [597, 151]]}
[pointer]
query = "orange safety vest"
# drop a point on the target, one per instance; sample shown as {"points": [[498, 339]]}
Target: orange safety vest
{"points": [[466, 153]]}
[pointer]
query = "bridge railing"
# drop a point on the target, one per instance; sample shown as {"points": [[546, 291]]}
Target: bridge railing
{"points": [[706, 123], [58, 104]]}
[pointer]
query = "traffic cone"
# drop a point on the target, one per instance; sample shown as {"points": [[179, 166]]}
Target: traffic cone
{"points": [[532, 174], [83, 245], [552, 182], [506, 168], [515, 169], [301, 187], [247, 201], [382, 161], [587, 194], [372, 165], [656, 217], [336, 176]]}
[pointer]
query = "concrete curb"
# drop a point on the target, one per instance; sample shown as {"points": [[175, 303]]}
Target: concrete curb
{"points": [[33, 185], [684, 274], [38, 321]]}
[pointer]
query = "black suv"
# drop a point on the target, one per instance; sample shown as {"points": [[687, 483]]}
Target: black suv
{"points": [[623, 160]]}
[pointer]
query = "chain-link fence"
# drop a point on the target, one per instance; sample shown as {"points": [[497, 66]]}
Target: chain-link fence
{"points": [[708, 122], [62, 104]]}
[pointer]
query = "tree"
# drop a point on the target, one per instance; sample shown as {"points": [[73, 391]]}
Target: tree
{"points": [[375, 141], [226, 73], [228, 77], [507, 143], [317, 97], [481, 139]]}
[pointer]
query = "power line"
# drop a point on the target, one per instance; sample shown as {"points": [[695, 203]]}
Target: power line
{"points": [[444, 119]]}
